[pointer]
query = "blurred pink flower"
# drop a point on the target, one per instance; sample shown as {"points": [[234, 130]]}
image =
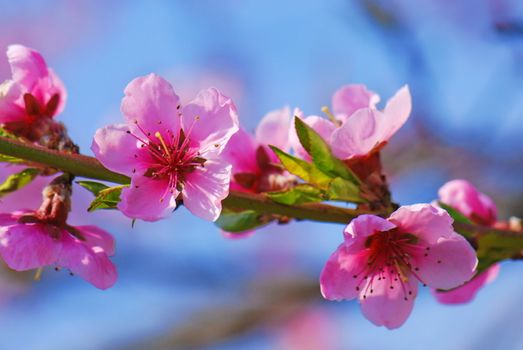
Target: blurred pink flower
{"points": [[464, 197], [382, 261], [254, 165], [27, 243], [169, 150], [34, 91], [349, 98]]}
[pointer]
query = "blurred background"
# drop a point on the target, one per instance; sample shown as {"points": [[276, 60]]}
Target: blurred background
{"points": [[181, 284]]}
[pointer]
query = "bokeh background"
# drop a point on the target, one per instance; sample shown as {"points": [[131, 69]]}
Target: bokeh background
{"points": [[181, 284]]}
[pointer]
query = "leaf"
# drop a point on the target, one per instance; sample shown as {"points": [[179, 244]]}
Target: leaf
{"points": [[494, 247], [343, 190], [302, 193], [17, 181], [236, 222], [303, 169], [93, 186], [107, 198], [455, 214], [321, 153], [8, 159]]}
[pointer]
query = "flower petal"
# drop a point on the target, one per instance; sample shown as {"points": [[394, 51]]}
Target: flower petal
{"points": [[240, 152], [205, 188], [349, 98], [464, 197], [28, 67], [116, 149], [27, 246], [273, 129], [96, 237], [468, 291], [388, 307], [397, 111], [449, 263], [426, 221], [210, 120], [359, 134], [147, 199], [10, 110], [90, 263], [151, 102], [337, 280], [357, 231]]}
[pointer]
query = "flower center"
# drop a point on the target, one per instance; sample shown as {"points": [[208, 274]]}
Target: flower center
{"points": [[391, 258], [169, 156]]}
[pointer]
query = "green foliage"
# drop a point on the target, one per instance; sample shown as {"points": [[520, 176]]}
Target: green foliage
{"points": [[237, 222], [17, 181], [302, 193], [343, 190], [321, 153], [455, 214], [493, 247], [105, 197]]}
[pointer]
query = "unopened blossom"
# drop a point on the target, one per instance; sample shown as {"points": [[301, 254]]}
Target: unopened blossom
{"points": [[34, 91], [382, 261], [357, 128], [171, 152], [35, 239], [478, 207], [255, 167]]}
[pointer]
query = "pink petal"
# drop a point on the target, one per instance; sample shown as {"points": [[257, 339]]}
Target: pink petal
{"points": [[210, 120], [273, 129], [119, 151], [426, 221], [337, 280], [27, 66], [241, 152], [96, 237], [57, 87], [90, 263], [357, 231], [205, 188], [10, 110], [468, 291], [449, 263], [27, 246], [348, 99], [463, 196], [359, 134], [237, 235], [397, 111], [151, 102], [147, 199], [321, 125], [388, 307]]}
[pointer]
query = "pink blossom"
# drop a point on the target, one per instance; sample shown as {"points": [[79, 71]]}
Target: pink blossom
{"points": [[169, 151], [254, 165], [361, 128], [27, 243], [381, 261], [34, 90], [464, 197]]}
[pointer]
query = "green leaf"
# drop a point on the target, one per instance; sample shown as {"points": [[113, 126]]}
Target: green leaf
{"points": [[455, 214], [343, 190], [321, 153], [17, 181], [5, 133], [494, 247], [302, 193], [93, 186], [107, 198], [303, 169], [8, 159], [236, 222]]}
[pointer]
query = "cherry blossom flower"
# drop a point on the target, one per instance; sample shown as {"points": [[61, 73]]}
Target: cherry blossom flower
{"points": [[478, 207], [29, 242], [34, 91], [382, 261], [357, 128], [169, 151], [254, 165]]}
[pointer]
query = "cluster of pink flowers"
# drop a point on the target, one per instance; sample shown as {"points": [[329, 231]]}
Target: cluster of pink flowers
{"points": [[196, 153]]}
